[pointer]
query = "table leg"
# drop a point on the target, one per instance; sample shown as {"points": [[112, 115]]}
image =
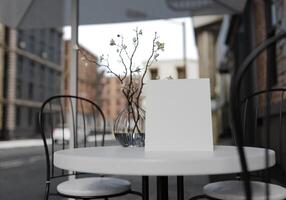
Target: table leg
{"points": [[162, 188], [145, 187], [180, 187]]}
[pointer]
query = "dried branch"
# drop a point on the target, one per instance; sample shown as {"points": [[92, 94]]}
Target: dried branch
{"points": [[131, 81], [148, 64], [91, 60]]}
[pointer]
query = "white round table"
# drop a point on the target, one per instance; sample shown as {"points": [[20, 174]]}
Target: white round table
{"points": [[135, 161]]}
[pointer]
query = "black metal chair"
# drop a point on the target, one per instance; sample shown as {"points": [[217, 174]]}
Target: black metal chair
{"points": [[86, 124], [245, 188], [252, 111]]}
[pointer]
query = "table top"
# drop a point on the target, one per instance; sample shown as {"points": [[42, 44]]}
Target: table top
{"points": [[135, 161]]}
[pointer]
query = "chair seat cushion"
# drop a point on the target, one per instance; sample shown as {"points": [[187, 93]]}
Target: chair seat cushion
{"points": [[93, 187], [234, 190]]}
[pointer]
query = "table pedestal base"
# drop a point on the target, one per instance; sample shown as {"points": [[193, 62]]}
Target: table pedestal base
{"points": [[145, 187], [180, 187], [162, 188]]}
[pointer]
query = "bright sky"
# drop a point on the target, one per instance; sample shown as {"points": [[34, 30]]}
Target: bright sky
{"points": [[96, 38]]}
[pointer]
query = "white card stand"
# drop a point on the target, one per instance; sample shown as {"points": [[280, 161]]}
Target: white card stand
{"points": [[178, 115]]}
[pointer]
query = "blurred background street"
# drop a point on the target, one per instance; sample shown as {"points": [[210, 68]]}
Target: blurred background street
{"points": [[22, 177], [210, 39]]}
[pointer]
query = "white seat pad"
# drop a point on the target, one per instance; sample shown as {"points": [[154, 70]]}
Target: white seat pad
{"points": [[95, 186], [234, 190]]}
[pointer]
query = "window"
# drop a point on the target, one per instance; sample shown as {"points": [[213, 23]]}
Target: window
{"points": [[20, 33], [43, 34], [273, 12], [42, 73], [51, 75], [19, 88], [20, 65], [31, 90], [7, 35], [58, 56], [32, 69], [20, 39], [154, 73], [30, 116], [43, 50], [52, 35], [18, 116], [59, 36], [51, 91], [181, 72], [52, 54], [58, 82], [32, 43], [41, 92]]}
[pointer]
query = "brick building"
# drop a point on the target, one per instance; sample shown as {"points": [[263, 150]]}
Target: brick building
{"points": [[175, 68], [206, 33], [31, 67], [94, 85], [113, 101], [2, 51], [89, 75], [239, 35]]}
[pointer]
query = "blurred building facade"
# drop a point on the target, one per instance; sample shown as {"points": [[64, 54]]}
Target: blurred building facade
{"points": [[31, 67], [233, 40], [176, 68], [206, 34], [2, 51], [90, 81], [113, 101], [94, 84]]}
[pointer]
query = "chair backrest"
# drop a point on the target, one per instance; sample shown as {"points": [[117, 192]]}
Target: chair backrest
{"points": [[253, 111], [68, 121], [235, 104]]}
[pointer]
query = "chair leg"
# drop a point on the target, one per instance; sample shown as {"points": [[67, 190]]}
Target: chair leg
{"points": [[145, 187], [47, 191], [180, 187]]}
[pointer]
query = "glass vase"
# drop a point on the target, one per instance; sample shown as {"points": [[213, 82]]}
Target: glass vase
{"points": [[129, 127]]}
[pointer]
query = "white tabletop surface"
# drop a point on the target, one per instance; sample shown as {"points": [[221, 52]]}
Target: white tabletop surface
{"points": [[135, 161]]}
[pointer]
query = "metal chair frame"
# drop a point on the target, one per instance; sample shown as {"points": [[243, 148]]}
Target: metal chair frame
{"points": [[76, 106], [234, 106], [255, 97], [244, 108], [235, 102]]}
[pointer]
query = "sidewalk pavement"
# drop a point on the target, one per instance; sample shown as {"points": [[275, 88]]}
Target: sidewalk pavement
{"points": [[22, 143]]}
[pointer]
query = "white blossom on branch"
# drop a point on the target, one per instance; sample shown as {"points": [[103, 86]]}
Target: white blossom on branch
{"points": [[132, 80]]}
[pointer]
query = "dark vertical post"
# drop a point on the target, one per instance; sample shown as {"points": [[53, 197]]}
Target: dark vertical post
{"points": [[162, 188], [74, 47], [74, 63], [184, 45], [145, 187], [270, 81], [180, 187]]}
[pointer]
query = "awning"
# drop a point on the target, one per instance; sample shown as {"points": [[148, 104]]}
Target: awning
{"points": [[57, 13]]}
